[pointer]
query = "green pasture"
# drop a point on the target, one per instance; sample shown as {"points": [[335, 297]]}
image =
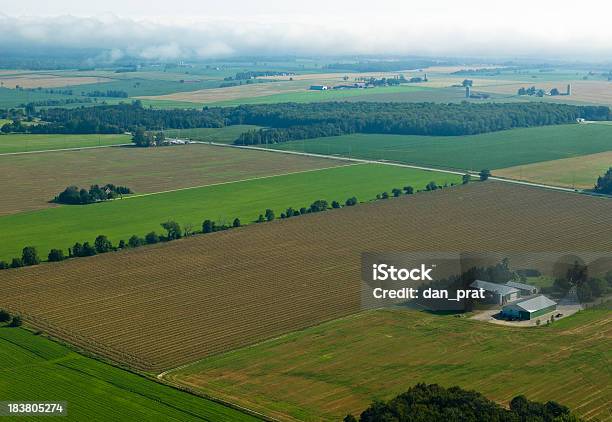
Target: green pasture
{"points": [[490, 150], [226, 135]]}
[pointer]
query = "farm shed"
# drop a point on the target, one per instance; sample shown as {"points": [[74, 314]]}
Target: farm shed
{"points": [[496, 293], [530, 308], [319, 87], [524, 289]]}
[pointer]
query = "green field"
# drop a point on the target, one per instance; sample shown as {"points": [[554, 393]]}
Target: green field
{"points": [[308, 96], [33, 368], [61, 227], [490, 150], [225, 135], [27, 142], [324, 372]]}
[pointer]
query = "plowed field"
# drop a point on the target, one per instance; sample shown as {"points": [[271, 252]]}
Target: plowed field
{"points": [[162, 306]]}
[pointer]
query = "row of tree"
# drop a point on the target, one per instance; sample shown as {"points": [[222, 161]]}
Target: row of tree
{"points": [[290, 121], [434, 403], [72, 195]]}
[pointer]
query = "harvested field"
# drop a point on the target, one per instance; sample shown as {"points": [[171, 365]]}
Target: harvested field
{"points": [[342, 366], [591, 92], [19, 142], [30, 181], [164, 305], [579, 172], [40, 80], [234, 92]]}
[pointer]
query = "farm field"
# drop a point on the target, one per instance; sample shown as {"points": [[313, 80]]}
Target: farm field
{"points": [[580, 172], [342, 366], [30, 181], [36, 80], [33, 368], [28, 142], [226, 135], [307, 96], [62, 226], [589, 92], [178, 302], [475, 152]]}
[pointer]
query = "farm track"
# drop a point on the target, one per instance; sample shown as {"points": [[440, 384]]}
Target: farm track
{"points": [[392, 163], [161, 306]]}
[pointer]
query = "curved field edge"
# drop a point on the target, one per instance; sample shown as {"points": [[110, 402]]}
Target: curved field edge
{"points": [[35, 368], [341, 366], [62, 226]]}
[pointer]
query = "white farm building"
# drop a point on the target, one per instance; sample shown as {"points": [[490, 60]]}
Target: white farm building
{"points": [[496, 293]]}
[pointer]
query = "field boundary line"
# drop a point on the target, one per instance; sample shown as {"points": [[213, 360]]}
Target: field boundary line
{"points": [[63, 149], [236, 181], [412, 166]]}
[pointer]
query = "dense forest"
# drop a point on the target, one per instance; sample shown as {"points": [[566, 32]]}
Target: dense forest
{"points": [[291, 121], [433, 403]]}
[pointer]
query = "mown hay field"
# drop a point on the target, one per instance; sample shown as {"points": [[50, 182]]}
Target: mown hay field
{"points": [[28, 143], [30, 181], [590, 92], [325, 372], [33, 368], [579, 172], [474, 152], [41, 80], [62, 226], [165, 305]]}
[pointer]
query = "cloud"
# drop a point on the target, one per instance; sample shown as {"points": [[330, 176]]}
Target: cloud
{"points": [[171, 39]]}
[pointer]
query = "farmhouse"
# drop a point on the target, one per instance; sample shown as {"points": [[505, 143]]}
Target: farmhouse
{"points": [[319, 87], [496, 293], [530, 308], [524, 289]]}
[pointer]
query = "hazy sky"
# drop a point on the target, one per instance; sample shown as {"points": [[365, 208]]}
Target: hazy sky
{"points": [[202, 28]]}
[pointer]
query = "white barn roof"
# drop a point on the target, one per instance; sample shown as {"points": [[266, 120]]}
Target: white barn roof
{"points": [[521, 286], [535, 304], [501, 289]]}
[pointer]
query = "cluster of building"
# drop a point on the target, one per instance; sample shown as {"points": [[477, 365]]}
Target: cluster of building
{"points": [[509, 295]]}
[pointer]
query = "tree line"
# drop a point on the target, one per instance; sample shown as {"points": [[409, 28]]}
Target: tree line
{"points": [[174, 231], [304, 121], [604, 183], [434, 403], [292, 121]]}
